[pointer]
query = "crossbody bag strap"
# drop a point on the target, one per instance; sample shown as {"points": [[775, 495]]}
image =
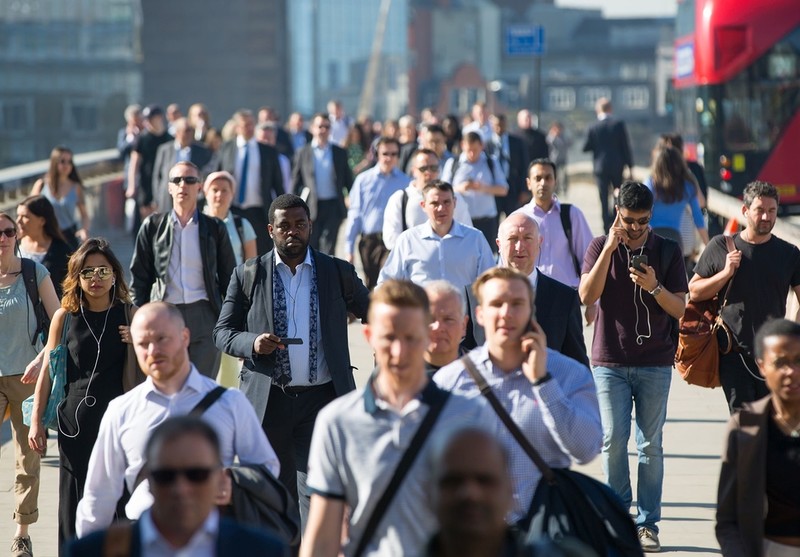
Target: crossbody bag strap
{"points": [[508, 421], [211, 397], [731, 246], [402, 469]]}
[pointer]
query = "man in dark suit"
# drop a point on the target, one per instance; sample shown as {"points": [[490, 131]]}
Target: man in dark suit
{"points": [[535, 139], [292, 334], [558, 309], [611, 151], [258, 175], [513, 156], [187, 483], [321, 175], [184, 148], [283, 141]]}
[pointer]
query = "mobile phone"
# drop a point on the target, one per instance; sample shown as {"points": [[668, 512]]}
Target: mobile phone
{"points": [[529, 328], [639, 262], [288, 340]]}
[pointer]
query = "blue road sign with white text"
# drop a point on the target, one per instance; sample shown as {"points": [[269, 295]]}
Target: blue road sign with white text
{"points": [[525, 40]]}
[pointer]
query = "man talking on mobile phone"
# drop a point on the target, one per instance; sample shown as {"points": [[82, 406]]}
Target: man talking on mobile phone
{"points": [[633, 347], [551, 397]]}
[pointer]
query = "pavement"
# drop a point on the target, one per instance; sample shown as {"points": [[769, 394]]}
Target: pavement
{"points": [[693, 441]]}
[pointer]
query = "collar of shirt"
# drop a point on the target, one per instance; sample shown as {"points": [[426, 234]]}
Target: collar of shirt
{"points": [[179, 147], [307, 261], [556, 206], [456, 230], [603, 116], [177, 221], [485, 363], [151, 536], [315, 144], [373, 403], [193, 382], [240, 141], [393, 173], [534, 278]]}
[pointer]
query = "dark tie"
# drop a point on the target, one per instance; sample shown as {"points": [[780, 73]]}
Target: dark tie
{"points": [[243, 175]]}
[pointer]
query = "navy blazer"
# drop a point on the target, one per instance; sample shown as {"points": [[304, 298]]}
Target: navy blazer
{"points": [[234, 540], [558, 312], [271, 176], [238, 327], [610, 148]]}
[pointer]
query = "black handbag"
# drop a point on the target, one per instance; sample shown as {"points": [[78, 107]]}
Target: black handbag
{"points": [[568, 504]]}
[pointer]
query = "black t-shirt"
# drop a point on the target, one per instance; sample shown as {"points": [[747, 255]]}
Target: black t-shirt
{"points": [[760, 285], [147, 145]]}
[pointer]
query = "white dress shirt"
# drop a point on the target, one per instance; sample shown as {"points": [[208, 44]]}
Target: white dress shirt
{"points": [[421, 255], [185, 282], [297, 288], [118, 454], [252, 192], [415, 215], [202, 544]]}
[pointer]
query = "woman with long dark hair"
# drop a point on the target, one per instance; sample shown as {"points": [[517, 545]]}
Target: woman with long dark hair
{"points": [[96, 307], [39, 237], [62, 186]]}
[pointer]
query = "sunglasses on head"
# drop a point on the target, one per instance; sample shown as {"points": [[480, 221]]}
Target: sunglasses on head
{"points": [[167, 476], [102, 272], [10, 232], [185, 179]]}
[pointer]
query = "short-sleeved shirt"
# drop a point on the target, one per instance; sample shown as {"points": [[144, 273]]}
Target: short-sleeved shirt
{"points": [[631, 328], [18, 323], [248, 233], [761, 283], [357, 444]]}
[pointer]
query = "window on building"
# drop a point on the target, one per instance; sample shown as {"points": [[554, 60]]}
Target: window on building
{"points": [[17, 115], [82, 116], [635, 98], [561, 98], [592, 94]]}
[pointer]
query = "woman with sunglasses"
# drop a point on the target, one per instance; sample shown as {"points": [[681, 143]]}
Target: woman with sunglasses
{"points": [[96, 299], [40, 238], [63, 188], [20, 346]]}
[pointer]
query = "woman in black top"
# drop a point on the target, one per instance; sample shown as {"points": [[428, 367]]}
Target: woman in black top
{"points": [[96, 308], [39, 238]]}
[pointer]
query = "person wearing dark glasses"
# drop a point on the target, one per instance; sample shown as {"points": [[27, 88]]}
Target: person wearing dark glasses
{"points": [[185, 257], [185, 476], [20, 361]]}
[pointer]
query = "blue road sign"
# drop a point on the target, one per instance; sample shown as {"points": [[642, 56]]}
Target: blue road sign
{"points": [[525, 40]]}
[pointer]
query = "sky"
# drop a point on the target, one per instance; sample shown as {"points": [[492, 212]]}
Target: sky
{"points": [[626, 8]]}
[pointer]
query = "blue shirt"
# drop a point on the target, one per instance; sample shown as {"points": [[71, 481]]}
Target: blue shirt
{"points": [[421, 255], [481, 205], [323, 171], [669, 215], [368, 199]]}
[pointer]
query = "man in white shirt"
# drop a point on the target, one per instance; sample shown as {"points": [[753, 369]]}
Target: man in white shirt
{"points": [[440, 248], [173, 388], [404, 208]]}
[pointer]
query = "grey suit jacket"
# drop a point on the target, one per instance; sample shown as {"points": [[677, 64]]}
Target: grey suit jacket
{"points": [[166, 157], [305, 183], [239, 325]]}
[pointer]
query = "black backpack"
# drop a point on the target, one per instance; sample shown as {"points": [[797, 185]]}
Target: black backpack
{"points": [[42, 319]]}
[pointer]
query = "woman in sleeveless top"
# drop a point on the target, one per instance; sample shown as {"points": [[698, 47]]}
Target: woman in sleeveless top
{"points": [[62, 186], [40, 238], [97, 301]]}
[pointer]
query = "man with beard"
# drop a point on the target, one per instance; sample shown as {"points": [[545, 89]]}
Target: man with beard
{"points": [[632, 349], [765, 267], [286, 315]]}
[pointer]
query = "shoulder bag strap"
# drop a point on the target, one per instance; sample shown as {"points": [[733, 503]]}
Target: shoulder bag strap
{"points": [[211, 397], [403, 206], [508, 421], [731, 246], [402, 469], [566, 224]]}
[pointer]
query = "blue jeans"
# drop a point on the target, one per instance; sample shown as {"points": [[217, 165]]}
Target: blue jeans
{"points": [[618, 390]]}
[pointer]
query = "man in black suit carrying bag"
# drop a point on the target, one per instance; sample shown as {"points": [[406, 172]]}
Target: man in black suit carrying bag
{"points": [[286, 315]]}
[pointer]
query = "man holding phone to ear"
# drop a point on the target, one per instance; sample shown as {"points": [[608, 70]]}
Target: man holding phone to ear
{"points": [[632, 352]]}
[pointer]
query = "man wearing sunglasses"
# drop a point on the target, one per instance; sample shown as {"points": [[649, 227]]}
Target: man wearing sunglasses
{"points": [[633, 346], [185, 257], [173, 388], [185, 474]]}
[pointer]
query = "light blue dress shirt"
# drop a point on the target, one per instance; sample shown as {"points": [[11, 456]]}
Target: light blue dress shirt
{"points": [[368, 199]]}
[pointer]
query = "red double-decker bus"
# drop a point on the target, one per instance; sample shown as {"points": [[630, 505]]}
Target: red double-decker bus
{"points": [[737, 92]]}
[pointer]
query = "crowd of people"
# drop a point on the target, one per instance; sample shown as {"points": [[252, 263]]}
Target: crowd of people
{"points": [[475, 276]]}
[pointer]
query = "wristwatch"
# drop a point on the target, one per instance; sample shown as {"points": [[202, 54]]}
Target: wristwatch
{"points": [[543, 379], [657, 290]]}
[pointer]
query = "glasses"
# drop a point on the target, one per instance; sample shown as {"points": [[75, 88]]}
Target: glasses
{"points": [[167, 476], [191, 180], [103, 273], [391, 154], [65, 161], [324, 126], [429, 168], [9, 232], [642, 221]]}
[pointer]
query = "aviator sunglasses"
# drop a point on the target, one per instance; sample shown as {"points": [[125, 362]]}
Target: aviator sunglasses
{"points": [[102, 272]]}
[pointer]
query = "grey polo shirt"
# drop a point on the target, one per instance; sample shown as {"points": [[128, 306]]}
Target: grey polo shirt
{"points": [[357, 443]]}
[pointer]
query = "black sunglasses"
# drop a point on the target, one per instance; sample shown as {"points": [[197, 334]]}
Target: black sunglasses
{"points": [[185, 179], [166, 476], [10, 232], [429, 168]]}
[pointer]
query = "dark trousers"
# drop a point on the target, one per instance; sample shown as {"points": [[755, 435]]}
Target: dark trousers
{"points": [[603, 190], [201, 318], [373, 255], [258, 218], [326, 227], [288, 422], [739, 383], [488, 225]]}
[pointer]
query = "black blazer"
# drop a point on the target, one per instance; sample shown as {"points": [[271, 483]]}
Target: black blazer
{"points": [[199, 155], [271, 175], [234, 540], [303, 177], [611, 150], [238, 327], [558, 312]]}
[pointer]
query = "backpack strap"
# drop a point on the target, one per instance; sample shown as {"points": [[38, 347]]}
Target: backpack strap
{"points": [[237, 222], [403, 206], [29, 278], [249, 280], [566, 224], [490, 164]]}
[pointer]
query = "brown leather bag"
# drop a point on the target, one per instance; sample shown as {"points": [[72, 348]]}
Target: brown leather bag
{"points": [[697, 356]]}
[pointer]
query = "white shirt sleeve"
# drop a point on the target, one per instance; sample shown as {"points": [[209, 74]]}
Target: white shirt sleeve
{"points": [[394, 267], [393, 219], [251, 444]]}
